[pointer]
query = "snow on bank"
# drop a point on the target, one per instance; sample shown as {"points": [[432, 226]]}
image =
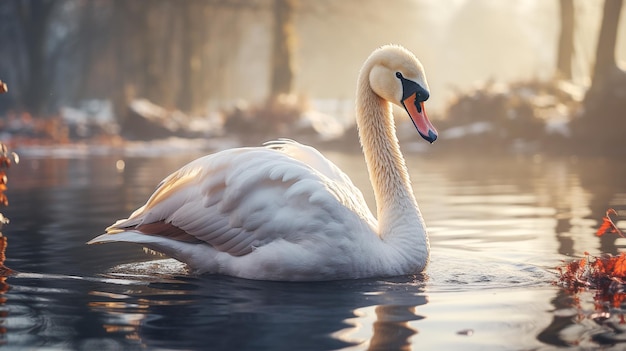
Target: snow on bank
{"points": [[155, 148]]}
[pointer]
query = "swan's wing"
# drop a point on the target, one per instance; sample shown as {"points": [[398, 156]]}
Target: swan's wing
{"points": [[241, 199], [309, 156], [349, 195]]}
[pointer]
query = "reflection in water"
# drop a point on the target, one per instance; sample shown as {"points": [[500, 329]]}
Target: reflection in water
{"points": [[562, 319], [604, 181], [497, 227], [391, 328], [4, 287], [230, 313], [599, 186]]}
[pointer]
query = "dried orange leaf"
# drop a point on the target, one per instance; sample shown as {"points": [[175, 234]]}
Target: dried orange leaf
{"points": [[608, 226]]}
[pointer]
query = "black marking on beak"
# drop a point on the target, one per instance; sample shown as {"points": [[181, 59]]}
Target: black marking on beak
{"points": [[409, 87]]}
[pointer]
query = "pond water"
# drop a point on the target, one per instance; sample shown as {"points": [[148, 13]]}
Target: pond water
{"points": [[498, 225]]}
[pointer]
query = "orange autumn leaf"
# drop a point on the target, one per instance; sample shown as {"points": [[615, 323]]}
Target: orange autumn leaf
{"points": [[582, 263], [608, 226], [605, 227], [619, 269]]}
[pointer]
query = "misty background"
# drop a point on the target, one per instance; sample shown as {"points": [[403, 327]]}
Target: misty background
{"points": [[206, 57]]}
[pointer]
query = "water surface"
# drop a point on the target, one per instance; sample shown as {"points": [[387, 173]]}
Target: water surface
{"points": [[498, 225]]}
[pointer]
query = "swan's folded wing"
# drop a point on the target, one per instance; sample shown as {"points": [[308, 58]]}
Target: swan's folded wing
{"points": [[338, 182], [239, 200]]}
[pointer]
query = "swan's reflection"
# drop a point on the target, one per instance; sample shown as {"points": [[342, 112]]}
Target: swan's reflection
{"points": [[229, 313]]}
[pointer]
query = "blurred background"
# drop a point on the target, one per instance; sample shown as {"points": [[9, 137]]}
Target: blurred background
{"points": [[107, 97], [530, 76]]}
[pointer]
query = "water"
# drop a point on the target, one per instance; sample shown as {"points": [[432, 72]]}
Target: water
{"points": [[498, 228]]}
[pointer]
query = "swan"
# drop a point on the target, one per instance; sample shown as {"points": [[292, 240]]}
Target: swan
{"points": [[283, 211]]}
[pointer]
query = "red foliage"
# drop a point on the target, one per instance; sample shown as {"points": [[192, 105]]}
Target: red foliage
{"points": [[608, 226], [6, 159], [605, 274]]}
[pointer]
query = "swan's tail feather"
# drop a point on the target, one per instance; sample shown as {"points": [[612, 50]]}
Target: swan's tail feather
{"points": [[123, 236], [193, 254]]}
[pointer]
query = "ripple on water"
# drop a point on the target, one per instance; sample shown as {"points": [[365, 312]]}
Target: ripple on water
{"points": [[454, 272]]}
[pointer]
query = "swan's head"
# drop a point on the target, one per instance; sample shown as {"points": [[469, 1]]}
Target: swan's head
{"points": [[397, 76]]}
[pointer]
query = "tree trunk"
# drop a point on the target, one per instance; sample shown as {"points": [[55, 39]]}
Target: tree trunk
{"points": [[152, 86], [282, 70], [192, 43], [88, 39], [603, 125], [566, 41], [185, 92], [120, 95], [34, 17], [605, 53]]}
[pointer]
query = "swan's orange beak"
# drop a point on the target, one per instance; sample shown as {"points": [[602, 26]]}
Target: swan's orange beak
{"points": [[418, 115]]}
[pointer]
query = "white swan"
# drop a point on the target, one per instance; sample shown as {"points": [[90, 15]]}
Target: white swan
{"points": [[285, 212]]}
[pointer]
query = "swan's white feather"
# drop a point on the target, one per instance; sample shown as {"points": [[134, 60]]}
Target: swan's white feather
{"points": [[240, 201]]}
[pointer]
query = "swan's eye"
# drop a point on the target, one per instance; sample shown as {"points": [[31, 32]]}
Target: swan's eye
{"points": [[398, 75]]}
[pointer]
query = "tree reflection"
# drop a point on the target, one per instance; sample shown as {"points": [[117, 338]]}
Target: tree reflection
{"points": [[391, 329], [551, 335], [604, 181]]}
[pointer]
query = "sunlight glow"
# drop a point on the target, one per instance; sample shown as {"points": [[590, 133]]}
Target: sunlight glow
{"points": [[120, 165]]}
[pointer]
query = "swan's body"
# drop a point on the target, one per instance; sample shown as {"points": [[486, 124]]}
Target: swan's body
{"points": [[284, 212]]}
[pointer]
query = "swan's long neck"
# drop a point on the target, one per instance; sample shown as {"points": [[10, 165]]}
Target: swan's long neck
{"points": [[400, 222]]}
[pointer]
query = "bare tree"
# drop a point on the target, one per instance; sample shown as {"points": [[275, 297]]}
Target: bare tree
{"points": [[178, 54], [605, 54], [566, 40], [33, 19], [282, 69], [189, 58], [602, 124]]}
